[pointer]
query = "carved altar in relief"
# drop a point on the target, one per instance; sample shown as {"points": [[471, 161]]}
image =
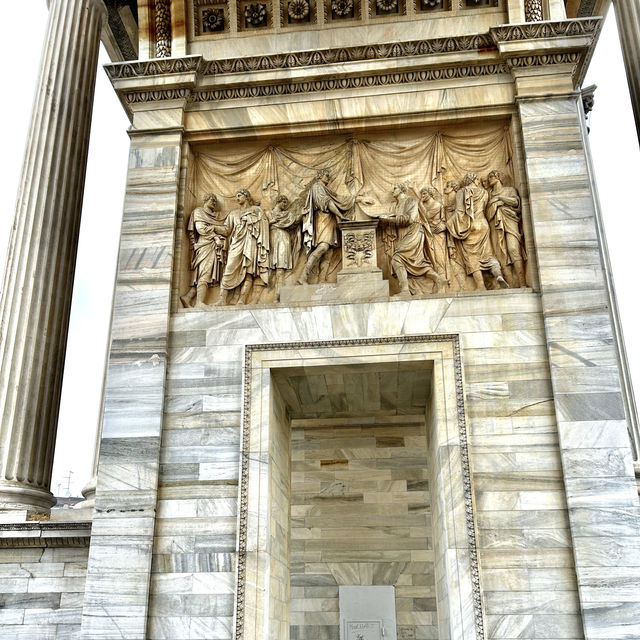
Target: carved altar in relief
{"points": [[414, 212]]}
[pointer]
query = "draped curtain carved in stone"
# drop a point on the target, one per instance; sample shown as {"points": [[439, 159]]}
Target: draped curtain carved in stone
{"points": [[368, 164]]}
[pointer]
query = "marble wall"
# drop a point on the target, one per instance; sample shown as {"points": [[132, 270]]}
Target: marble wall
{"points": [[118, 573], [594, 447], [361, 515], [524, 543], [41, 592]]}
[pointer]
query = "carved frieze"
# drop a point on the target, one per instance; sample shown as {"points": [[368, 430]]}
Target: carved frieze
{"points": [[439, 228], [150, 68], [573, 36], [349, 82], [538, 30]]}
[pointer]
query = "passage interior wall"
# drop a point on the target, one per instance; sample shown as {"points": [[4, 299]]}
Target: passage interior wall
{"points": [[361, 515]]}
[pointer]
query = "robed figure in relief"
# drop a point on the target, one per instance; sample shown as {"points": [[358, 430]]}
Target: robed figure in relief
{"points": [[322, 210], [469, 225], [504, 216], [409, 257], [248, 257], [208, 249], [284, 242], [432, 212]]}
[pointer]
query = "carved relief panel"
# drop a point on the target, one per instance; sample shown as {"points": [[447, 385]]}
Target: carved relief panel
{"points": [[433, 211], [212, 18]]}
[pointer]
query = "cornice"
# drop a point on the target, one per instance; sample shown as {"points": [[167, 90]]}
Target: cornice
{"points": [[544, 30], [45, 534], [540, 44], [382, 51], [501, 51], [350, 82]]}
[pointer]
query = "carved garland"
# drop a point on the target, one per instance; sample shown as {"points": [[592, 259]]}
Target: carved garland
{"points": [[464, 458]]}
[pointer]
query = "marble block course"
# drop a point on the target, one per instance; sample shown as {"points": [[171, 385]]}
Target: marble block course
{"points": [[360, 515], [42, 579]]}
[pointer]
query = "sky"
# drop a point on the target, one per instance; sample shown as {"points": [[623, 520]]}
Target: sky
{"points": [[614, 147]]}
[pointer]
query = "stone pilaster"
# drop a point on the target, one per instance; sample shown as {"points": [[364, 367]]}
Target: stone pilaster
{"points": [[119, 566], [586, 373], [628, 19], [38, 282]]}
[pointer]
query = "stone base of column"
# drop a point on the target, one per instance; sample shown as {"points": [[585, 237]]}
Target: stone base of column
{"points": [[89, 495], [15, 496]]}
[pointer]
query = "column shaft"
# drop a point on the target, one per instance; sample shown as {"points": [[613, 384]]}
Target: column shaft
{"points": [[38, 280], [628, 20]]}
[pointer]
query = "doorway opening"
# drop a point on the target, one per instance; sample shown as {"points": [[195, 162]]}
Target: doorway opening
{"points": [[355, 473]]}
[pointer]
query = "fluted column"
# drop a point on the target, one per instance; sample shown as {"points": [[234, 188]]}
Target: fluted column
{"points": [[38, 280], [628, 19]]}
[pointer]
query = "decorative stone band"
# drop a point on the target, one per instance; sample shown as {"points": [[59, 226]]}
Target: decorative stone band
{"points": [[464, 456], [354, 82], [505, 48], [321, 57], [544, 60], [156, 95], [383, 51], [543, 30], [45, 534], [151, 68]]}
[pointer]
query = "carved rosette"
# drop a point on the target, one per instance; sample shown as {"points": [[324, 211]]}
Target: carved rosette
{"points": [[359, 246]]}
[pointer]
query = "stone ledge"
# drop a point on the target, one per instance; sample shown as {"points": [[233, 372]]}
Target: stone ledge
{"points": [[197, 80], [45, 534]]}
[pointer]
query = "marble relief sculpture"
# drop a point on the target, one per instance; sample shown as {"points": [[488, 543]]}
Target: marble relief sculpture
{"points": [[247, 228], [442, 229], [505, 219], [208, 247], [322, 211], [435, 224], [283, 223], [407, 239], [469, 225]]}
